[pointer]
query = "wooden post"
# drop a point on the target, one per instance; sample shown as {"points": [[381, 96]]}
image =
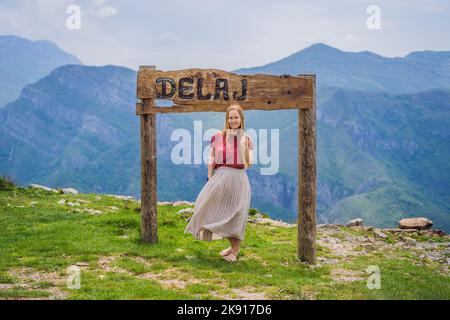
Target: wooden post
{"points": [[307, 182], [149, 223]]}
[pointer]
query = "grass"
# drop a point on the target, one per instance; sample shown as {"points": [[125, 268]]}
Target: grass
{"points": [[43, 234], [400, 280]]}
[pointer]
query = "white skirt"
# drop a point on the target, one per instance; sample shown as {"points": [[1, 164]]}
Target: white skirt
{"points": [[221, 208]]}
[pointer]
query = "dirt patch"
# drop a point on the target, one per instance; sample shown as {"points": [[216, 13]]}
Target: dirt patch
{"points": [[174, 278], [30, 279], [345, 275], [105, 265], [167, 278], [245, 293]]}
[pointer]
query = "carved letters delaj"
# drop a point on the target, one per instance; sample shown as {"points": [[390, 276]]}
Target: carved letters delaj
{"points": [[187, 88]]}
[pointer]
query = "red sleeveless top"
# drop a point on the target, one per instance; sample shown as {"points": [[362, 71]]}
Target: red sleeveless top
{"points": [[227, 154]]}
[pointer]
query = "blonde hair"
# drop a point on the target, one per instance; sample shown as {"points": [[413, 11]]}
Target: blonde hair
{"points": [[241, 132]]}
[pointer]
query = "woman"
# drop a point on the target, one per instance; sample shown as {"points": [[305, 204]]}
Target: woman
{"points": [[221, 208]]}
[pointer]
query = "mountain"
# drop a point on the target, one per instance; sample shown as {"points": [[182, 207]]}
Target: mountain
{"points": [[23, 62], [381, 155], [65, 121], [77, 127], [387, 154], [418, 71]]}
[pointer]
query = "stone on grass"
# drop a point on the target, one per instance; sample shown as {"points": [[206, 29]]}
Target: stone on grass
{"points": [[38, 186], [121, 197], [182, 203], [186, 210], [73, 204], [355, 223], [415, 223], [70, 191], [380, 234], [164, 203]]}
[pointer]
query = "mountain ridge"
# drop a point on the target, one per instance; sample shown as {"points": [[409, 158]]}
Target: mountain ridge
{"points": [[77, 126], [23, 62], [89, 112]]}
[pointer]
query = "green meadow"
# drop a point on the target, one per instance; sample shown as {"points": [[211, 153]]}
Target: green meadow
{"points": [[44, 234]]}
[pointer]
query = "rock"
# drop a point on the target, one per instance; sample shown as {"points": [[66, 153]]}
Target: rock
{"points": [[164, 203], [121, 197], [415, 223], [355, 223], [83, 201], [392, 230], [410, 241], [62, 201], [275, 223], [92, 211], [328, 226], [380, 234], [439, 232], [82, 264], [73, 204], [70, 191], [400, 230], [434, 232], [186, 210], [182, 203], [38, 186]]}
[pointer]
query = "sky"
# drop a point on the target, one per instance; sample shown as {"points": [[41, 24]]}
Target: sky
{"points": [[227, 34]]}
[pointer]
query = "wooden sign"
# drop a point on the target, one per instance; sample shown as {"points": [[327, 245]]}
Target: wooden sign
{"points": [[200, 90], [194, 90]]}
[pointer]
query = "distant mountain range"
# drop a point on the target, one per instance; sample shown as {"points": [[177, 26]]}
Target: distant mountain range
{"points": [[367, 71], [381, 155], [23, 62]]}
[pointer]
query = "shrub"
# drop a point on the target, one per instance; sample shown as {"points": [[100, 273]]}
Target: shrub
{"points": [[252, 212], [6, 183]]}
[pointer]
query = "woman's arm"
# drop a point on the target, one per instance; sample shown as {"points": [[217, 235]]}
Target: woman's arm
{"points": [[250, 153], [211, 163]]}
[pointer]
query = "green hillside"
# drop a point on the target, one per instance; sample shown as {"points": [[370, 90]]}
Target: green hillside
{"points": [[45, 233]]}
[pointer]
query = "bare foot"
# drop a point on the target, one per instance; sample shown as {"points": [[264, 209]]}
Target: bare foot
{"points": [[231, 257], [225, 252]]}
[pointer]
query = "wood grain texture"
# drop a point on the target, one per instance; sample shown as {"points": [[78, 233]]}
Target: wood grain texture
{"points": [[149, 222], [200, 90], [307, 184]]}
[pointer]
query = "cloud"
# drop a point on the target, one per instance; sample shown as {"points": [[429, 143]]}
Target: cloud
{"points": [[179, 34], [106, 11], [350, 37]]}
